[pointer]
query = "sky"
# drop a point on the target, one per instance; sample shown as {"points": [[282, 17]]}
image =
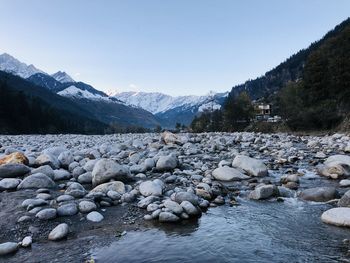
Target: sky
{"points": [[178, 47]]}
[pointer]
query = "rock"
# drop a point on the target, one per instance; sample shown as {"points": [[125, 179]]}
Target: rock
{"points": [[59, 232], [148, 188], [13, 170], [23, 219], [27, 241], [168, 217], [190, 209], [344, 183], [8, 248], [112, 186], [47, 213], [143, 203], [69, 209], [47, 159], [45, 169], [335, 166], [166, 163], [173, 206], [114, 195], [290, 178], [62, 175], [149, 163], [320, 155], [170, 138], [87, 206], [76, 190], [186, 196], [105, 170], [337, 216], [263, 192], [319, 194], [285, 192], [252, 166], [85, 178], [38, 180], [65, 158], [226, 173], [344, 201], [89, 165], [14, 158], [64, 198], [203, 190], [9, 184], [94, 216], [34, 202]]}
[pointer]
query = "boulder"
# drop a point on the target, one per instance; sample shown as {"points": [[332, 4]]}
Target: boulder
{"points": [[94, 216], [9, 184], [170, 138], [148, 188], [335, 166], [46, 214], [62, 175], [166, 163], [173, 206], [38, 180], [87, 206], [69, 209], [252, 166], [59, 232], [143, 203], [47, 159], [14, 158], [344, 183], [263, 192], [226, 173], [179, 197], [105, 170], [45, 169], [8, 248], [190, 209], [76, 190], [339, 216], [168, 217], [65, 158], [112, 186], [13, 170], [85, 178], [319, 194]]}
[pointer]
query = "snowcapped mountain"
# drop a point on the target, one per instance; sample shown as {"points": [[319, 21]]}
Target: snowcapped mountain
{"points": [[12, 65], [62, 77], [77, 93], [156, 102], [171, 110]]}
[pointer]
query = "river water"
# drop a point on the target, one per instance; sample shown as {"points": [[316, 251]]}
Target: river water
{"points": [[264, 231]]}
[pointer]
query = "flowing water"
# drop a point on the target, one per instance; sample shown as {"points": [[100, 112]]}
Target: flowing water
{"points": [[252, 232]]}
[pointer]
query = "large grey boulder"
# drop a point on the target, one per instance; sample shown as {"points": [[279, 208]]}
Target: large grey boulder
{"points": [[8, 248], [252, 166], [59, 232], [105, 170], [47, 159], [168, 217], [38, 180], [148, 188], [319, 194], [339, 216], [335, 166], [166, 163], [12, 170], [179, 197], [65, 158], [45, 169], [9, 184], [116, 186], [226, 173], [263, 192]]}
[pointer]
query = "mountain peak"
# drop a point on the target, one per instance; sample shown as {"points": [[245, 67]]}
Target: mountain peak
{"points": [[12, 65], [62, 77]]}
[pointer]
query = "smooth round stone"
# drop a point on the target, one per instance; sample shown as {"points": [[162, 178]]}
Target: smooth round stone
{"points": [[147, 217], [23, 219], [344, 183], [47, 213], [44, 196], [114, 195], [168, 217], [173, 206], [42, 190], [189, 208], [34, 202], [67, 209], [339, 216], [94, 216], [8, 248], [9, 183], [64, 198], [27, 241], [59, 232], [87, 206]]}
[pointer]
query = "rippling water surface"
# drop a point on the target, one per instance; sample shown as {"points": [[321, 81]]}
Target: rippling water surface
{"points": [[253, 232]]}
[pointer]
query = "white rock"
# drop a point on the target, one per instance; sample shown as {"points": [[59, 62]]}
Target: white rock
{"points": [[94, 216], [59, 232], [337, 216]]}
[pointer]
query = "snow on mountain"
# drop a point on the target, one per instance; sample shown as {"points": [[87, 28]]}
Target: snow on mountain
{"points": [[62, 77], [12, 65], [158, 102], [74, 92]]}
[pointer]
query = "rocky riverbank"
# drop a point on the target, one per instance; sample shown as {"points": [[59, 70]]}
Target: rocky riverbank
{"points": [[71, 191]]}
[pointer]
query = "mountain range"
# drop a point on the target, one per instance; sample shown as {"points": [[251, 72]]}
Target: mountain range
{"points": [[123, 109]]}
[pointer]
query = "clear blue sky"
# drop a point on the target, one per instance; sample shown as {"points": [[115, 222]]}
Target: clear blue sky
{"points": [[177, 47]]}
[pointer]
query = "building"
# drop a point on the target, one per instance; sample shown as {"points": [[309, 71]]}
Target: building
{"points": [[263, 111]]}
